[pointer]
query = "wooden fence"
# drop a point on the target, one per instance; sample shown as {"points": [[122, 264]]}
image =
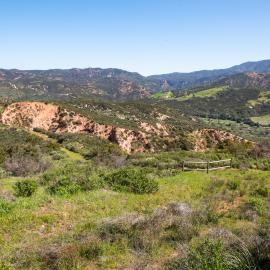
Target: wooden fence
{"points": [[206, 165]]}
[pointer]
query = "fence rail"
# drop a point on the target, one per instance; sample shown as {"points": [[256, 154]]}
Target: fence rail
{"points": [[186, 165]]}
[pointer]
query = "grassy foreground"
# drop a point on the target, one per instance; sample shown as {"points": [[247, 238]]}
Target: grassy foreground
{"points": [[90, 230]]}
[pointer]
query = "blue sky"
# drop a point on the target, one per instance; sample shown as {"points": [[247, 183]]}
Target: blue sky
{"points": [[147, 36]]}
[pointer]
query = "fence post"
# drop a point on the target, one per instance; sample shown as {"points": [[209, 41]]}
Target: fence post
{"points": [[183, 166], [207, 168], [231, 163]]}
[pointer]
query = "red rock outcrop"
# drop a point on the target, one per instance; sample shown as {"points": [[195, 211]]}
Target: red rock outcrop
{"points": [[204, 139], [51, 117]]}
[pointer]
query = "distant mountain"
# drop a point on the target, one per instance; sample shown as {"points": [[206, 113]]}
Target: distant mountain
{"points": [[180, 81], [248, 80], [90, 82], [113, 84]]}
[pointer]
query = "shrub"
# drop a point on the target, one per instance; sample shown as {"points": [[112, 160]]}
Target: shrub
{"points": [[206, 255], [71, 178], [57, 257], [25, 188], [16, 144], [210, 254], [263, 191], [56, 155], [181, 229], [233, 184], [257, 204], [3, 173], [5, 208], [90, 147], [261, 254], [114, 229], [26, 165], [3, 266], [64, 186], [131, 180], [90, 251], [261, 150]]}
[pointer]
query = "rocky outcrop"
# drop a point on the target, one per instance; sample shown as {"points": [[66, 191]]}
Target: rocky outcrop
{"points": [[158, 129], [204, 139], [51, 117], [249, 80]]}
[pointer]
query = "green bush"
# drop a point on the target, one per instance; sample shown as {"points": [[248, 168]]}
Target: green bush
{"points": [[3, 173], [257, 204], [90, 147], [71, 178], [57, 155], [206, 255], [263, 191], [210, 254], [64, 186], [17, 143], [3, 266], [90, 251], [233, 184], [131, 180], [5, 208], [25, 188]]}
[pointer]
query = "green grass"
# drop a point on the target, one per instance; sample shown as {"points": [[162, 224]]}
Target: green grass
{"points": [[43, 220], [43, 217], [71, 155], [204, 93], [263, 120], [163, 95], [263, 98]]}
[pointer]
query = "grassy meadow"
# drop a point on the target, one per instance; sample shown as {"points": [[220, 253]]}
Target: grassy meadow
{"points": [[263, 120], [32, 227], [211, 92]]}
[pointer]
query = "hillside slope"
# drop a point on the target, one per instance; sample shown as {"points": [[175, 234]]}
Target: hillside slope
{"points": [[109, 83], [138, 134], [157, 131], [238, 97]]}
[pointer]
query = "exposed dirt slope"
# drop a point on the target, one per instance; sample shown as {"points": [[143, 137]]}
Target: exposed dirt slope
{"points": [[53, 118], [204, 139]]}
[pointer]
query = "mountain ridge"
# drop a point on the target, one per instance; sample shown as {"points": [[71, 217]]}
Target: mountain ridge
{"points": [[109, 83]]}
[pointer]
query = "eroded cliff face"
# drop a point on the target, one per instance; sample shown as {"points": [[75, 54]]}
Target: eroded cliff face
{"points": [[51, 117], [147, 137], [204, 139]]}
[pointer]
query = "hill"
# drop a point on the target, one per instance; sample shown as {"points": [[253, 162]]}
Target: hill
{"points": [[110, 84], [238, 97], [92, 82], [180, 81], [134, 127]]}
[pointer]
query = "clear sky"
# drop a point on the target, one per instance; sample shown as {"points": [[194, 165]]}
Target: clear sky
{"points": [[147, 36]]}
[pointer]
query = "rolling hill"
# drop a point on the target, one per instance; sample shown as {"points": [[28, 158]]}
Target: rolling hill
{"points": [[239, 97], [181, 81], [115, 84]]}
